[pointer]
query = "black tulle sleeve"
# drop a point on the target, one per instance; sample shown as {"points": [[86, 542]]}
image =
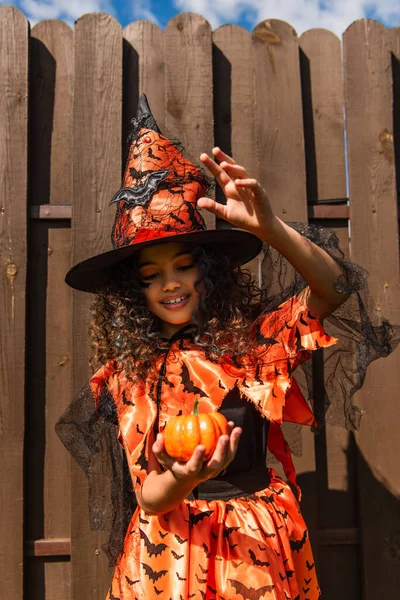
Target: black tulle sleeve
{"points": [[364, 334], [89, 430]]}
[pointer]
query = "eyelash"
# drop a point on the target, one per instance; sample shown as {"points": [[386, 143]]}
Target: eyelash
{"points": [[154, 275]]}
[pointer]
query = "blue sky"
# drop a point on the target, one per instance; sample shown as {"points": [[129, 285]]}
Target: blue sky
{"points": [[335, 15]]}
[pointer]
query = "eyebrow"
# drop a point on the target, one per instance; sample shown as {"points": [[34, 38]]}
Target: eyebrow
{"points": [[153, 263]]}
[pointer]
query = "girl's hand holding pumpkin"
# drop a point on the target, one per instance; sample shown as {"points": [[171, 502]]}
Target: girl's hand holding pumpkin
{"points": [[196, 468]]}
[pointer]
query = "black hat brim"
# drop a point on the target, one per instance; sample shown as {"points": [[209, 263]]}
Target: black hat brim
{"points": [[93, 274]]}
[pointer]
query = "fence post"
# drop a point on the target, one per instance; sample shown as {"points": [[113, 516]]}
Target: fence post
{"points": [[14, 42]]}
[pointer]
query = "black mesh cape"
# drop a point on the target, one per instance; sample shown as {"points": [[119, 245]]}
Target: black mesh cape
{"points": [[91, 434]]}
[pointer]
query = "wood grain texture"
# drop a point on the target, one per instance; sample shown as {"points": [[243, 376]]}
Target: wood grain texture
{"points": [[51, 107], [336, 489], [48, 547], [144, 70], [322, 87], [233, 69], [334, 447], [188, 86], [394, 40], [280, 140], [13, 243], [57, 464], [375, 245], [234, 115], [51, 211], [279, 118], [64, 211], [50, 172], [341, 572], [57, 576], [97, 169]]}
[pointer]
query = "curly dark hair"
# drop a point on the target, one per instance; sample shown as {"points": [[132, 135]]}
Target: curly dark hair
{"points": [[123, 328]]}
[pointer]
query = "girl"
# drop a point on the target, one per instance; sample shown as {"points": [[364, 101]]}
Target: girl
{"points": [[176, 320]]}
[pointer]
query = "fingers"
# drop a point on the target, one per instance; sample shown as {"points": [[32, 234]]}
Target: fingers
{"points": [[221, 155], [219, 174], [234, 441], [234, 170], [179, 469], [227, 168], [213, 207], [250, 184], [224, 452], [216, 462], [195, 463], [158, 445], [159, 450]]}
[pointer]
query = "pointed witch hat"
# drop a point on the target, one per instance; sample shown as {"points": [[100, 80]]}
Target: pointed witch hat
{"points": [[157, 204]]}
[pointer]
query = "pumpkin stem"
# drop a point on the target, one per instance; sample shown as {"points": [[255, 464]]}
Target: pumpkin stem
{"points": [[196, 404]]}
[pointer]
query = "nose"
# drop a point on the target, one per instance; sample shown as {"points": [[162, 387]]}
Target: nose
{"points": [[170, 282]]}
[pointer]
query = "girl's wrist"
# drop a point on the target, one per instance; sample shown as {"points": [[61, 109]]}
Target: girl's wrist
{"points": [[186, 480], [269, 230]]}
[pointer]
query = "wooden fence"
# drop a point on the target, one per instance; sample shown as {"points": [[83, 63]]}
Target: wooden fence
{"points": [[284, 106]]}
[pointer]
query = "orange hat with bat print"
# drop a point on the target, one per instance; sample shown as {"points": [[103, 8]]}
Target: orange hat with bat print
{"points": [[157, 204]]}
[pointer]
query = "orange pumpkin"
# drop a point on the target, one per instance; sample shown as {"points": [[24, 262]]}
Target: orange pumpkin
{"points": [[183, 433]]}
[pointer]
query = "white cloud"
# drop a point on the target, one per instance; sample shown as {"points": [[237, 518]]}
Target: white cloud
{"points": [[142, 10], [335, 15], [67, 10], [70, 10]]}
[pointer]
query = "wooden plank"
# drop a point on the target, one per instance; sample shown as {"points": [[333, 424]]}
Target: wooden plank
{"points": [[338, 537], [322, 87], [315, 211], [334, 446], [375, 244], [279, 118], [234, 108], [188, 86], [394, 37], [97, 169], [13, 246], [51, 105], [328, 211], [50, 173], [234, 116], [57, 463], [57, 576], [280, 142], [49, 547], [339, 573], [51, 211], [35, 405], [144, 71], [336, 489]]}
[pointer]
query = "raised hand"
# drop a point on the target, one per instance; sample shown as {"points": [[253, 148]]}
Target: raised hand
{"points": [[195, 468], [247, 205]]}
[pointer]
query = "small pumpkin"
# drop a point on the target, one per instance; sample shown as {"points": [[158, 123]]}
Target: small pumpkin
{"points": [[183, 433]]}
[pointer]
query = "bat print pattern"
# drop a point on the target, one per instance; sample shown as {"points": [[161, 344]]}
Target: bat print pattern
{"points": [[152, 549], [250, 593], [250, 547], [152, 574], [232, 555]]}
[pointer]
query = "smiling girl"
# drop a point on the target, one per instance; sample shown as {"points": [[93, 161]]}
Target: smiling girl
{"points": [[176, 320]]}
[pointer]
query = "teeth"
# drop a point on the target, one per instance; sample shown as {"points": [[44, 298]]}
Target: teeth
{"points": [[175, 301]]}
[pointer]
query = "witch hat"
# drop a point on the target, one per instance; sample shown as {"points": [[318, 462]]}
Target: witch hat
{"points": [[157, 204]]}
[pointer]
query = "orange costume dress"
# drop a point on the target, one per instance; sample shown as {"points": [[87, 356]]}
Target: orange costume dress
{"points": [[241, 536]]}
